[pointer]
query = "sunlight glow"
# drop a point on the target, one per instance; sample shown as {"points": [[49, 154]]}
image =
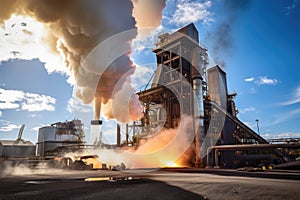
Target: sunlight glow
{"points": [[22, 37]]}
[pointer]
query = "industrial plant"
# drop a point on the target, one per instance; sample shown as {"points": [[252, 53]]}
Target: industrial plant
{"points": [[182, 87]]}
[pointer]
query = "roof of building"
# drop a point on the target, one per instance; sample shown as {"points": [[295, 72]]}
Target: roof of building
{"points": [[189, 33], [15, 143], [216, 68]]}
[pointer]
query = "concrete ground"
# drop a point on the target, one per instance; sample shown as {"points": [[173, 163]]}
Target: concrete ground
{"points": [[141, 184]]}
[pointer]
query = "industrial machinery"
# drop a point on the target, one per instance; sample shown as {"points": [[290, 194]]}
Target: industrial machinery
{"points": [[54, 144], [60, 134], [182, 85]]}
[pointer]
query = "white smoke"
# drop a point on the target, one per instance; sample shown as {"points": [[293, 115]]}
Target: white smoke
{"points": [[67, 31]]}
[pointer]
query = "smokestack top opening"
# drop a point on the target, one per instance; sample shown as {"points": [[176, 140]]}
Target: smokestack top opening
{"points": [[96, 122]]}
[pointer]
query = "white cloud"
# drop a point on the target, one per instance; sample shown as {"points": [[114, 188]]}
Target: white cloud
{"points": [[75, 105], [36, 102], [11, 95], [282, 135], [9, 105], [9, 127], [295, 99], [249, 79], [264, 80], [249, 109], [9, 99], [12, 99], [0, 113], [189, 11]]}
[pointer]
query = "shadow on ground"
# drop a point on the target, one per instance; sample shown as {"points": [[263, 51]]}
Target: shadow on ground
{"points": [[79, 189]]}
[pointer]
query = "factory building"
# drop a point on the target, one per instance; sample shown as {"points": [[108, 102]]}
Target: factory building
{"points": [[183, 85], [179, 83], [58, 135], [17, 148]]}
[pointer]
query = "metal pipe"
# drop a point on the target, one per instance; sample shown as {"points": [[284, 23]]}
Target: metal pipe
{"points": [[257, 126], [243, 126], [208, 157], [118, 135], [198, 117], [242, 147], [198, 103], [217, 159], [97, 108], [127, 135]]}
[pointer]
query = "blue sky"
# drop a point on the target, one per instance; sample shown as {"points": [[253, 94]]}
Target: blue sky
{"points": [[260, 54]]}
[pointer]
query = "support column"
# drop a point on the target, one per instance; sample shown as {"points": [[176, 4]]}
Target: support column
{"points": [[127, 134], [118, 135], [199, 119]]}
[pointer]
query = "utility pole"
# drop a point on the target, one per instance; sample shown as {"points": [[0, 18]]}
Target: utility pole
{"points": [[257, 126]]}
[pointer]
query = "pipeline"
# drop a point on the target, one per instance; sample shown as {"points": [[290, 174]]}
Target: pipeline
{"points": [[242, 147], [249, 130]]}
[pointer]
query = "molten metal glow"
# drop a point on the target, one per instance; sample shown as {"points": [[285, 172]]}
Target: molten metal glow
{"points": [[96, 163], [173, 164], [97, 179]]}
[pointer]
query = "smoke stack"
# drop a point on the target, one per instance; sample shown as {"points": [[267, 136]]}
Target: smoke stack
{"points": [[96, 122], [97, 108], [118, 135]]}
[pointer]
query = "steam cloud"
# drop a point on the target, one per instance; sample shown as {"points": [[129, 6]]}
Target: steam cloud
{"points": [[148, 14], [75, 28]]}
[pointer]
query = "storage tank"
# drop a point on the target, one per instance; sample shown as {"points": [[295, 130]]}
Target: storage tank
{"points": [[58, 135]]}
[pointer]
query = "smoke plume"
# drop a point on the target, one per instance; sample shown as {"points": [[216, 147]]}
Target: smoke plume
{"points": [[148, 15], [222, 39], [74, 28]]}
